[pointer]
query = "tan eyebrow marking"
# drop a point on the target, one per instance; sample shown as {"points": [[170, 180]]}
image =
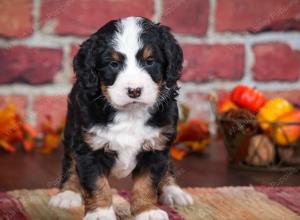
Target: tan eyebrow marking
{"points": [[147, 52], [115, 56]]}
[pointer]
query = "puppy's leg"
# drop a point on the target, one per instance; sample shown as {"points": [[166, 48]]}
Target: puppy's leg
{"points": [[70, 189], [93, 169], [146, 177], [98, 202], [171, 194]]}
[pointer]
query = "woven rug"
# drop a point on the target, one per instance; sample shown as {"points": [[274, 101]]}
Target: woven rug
{"points": [[225, 203]]}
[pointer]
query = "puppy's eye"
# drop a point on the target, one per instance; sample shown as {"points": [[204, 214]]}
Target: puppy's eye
{"points": [[114, 64], [150, 61]]}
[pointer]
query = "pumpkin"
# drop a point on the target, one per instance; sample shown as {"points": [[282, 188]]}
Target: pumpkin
{"points": [[225, 104], [248, 98], [261, 151], [290, 155], [286, 134], [273, 109]]}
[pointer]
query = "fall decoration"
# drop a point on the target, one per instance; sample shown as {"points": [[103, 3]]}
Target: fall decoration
{"points": [[288, 129], [51, 136], [237, 126], [261, 151], [13, 130], [289, 155], [247, 117], [225, 104], [192, 136], [248, 98], [272, 110], [238, 121]]}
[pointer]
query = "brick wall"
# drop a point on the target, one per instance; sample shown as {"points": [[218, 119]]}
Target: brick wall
{"points": [[225, 43]]}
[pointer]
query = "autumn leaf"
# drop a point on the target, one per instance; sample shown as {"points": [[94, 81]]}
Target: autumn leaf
{"points": [[51, 135], [13, 130], [192, 136], [177, 154]]}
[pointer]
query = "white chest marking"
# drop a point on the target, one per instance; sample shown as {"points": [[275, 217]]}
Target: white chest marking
{"points": [[125, 136]]}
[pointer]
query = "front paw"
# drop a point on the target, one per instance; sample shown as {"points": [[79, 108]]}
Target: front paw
{"points": [[174, 195], [66, 199], [154, 214], [101, 214]]}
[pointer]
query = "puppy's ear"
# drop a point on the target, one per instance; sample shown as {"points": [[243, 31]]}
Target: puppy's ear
{"points": [[174, 56], [84, 64]]}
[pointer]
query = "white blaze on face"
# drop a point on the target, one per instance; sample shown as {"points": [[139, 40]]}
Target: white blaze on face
{"points": [[127, 42]]}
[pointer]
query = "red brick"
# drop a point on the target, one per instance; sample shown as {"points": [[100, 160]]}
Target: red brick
{"points": [[74, 50], [16, 18], [275, 61], [85, 17], [54, 107], [209, 62], [257, 15], [188, 17], [29, 65], [291, 95], [19, 101]]}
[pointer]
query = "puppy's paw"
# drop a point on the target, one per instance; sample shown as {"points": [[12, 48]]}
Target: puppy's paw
{"points": [[174, 195], [101, 214], [66, 199], [155, 214]]}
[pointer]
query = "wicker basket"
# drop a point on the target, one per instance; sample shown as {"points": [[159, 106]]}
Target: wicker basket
{"points": [[240, 134]]}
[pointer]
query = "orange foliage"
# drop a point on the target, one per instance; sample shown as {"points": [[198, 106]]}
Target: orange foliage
{"points": [[13, 130], [51, 136], [192, 136]]}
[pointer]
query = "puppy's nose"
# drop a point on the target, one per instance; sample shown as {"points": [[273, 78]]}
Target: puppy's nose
{"points": [[134, 92]]}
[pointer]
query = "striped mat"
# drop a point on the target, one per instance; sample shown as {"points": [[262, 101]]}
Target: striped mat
{"points": [[225, 203]]}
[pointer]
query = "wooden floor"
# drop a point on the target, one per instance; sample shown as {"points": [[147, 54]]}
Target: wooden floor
{"points": [[210, 169]]}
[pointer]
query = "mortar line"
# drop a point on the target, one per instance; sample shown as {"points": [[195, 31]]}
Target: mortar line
{"points": [[211, 18], [36, 15], [157, 11], [42, 40], [31, 114]]}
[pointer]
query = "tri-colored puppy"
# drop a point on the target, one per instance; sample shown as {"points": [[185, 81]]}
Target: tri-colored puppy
{"points": [[122, 116]]}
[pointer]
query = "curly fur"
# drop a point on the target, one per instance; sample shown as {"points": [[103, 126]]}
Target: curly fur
{"points": [[90, 105]]}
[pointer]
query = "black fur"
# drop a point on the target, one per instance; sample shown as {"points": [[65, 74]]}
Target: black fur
{"points": [[87, 105]]}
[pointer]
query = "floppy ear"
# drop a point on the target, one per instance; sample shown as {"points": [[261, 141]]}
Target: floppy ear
{"points": [[84, 64], [174, 56]]}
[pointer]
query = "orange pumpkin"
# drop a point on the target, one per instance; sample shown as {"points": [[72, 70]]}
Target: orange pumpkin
{"points": [[225, 104], [286, 134]]}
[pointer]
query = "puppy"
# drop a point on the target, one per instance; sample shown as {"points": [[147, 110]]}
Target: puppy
{"points": [[121, 120]]}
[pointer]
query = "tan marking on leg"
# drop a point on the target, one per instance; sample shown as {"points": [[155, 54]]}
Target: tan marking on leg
{"points": [[144, 196], [101, 197], [167, 180], [73, 183]]}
